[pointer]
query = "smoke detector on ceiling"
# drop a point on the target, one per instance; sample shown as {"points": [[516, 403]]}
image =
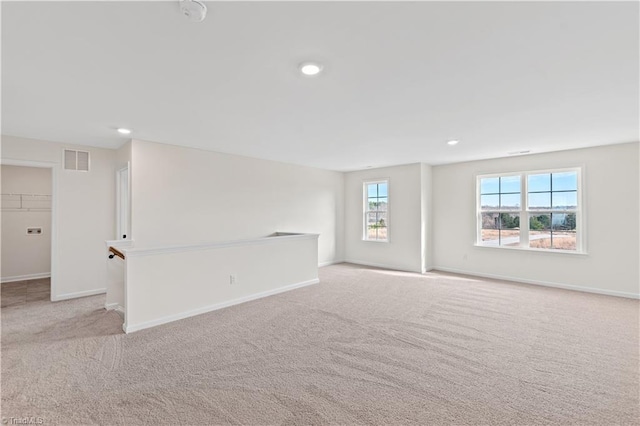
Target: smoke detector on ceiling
{"points": [[193, 9]]}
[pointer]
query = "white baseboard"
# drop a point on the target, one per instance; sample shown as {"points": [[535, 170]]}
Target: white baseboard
{"points": [[114, 307], [331, 262], [380, 265], [541, 283], [25, 277], [75, 295], [170, 318]]}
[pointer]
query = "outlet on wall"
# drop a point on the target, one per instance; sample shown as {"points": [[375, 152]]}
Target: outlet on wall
{"points": [[233, 279]]}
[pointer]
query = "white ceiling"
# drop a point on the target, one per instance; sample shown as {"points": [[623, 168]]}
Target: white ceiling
{"points": [[400, 78]]}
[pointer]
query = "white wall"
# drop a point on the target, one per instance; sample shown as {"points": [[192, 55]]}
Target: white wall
{"points": [[185, 196], [85, 213], [404, 249], [611, 187], [25, 256], [188, 281]]}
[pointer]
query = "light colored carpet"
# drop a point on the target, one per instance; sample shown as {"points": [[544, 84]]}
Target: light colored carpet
{"points": [[365, 346]]}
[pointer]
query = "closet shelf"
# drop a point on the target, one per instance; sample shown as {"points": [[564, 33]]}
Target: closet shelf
{"points": [[26, 202]]}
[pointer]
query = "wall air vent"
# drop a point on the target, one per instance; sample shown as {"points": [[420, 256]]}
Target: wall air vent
{"points": [[76, 160]]}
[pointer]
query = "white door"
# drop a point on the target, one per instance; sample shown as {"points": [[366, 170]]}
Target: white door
{"points": [[123, 204]]}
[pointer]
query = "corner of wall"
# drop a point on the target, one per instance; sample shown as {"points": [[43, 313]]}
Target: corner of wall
{"points": [[426, 208]]}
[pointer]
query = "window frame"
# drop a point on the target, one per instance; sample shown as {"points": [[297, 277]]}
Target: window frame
{"points": [[525, 213], [365, 210]]}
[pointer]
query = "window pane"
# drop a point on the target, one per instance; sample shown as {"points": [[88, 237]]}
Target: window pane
{"points": [[381, 220], [541, 182], [372, 190], [372, 228], [563, 227], [490, 232], [372, 232], [382, 232], [377, 226], [567, 181], [510, 184], [490, 202], [509, 201], [565, 200], [382, 190], [564, 222], [509, 229], [540, 201], [489, 185], [540, 231], [382, 204]]}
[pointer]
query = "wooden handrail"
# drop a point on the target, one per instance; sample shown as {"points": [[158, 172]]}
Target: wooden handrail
{"points": [[115, 252]]}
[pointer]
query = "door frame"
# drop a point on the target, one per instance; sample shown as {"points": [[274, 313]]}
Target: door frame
{"points": [[119, 230], [54, 211]]}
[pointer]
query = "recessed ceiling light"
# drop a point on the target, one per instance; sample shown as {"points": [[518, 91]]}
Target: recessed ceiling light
{"points": [[310, 68], [452, 143], [124, 131]]}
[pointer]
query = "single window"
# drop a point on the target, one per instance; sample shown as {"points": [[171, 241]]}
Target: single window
{"points": [[376, 211], [537, 210]]}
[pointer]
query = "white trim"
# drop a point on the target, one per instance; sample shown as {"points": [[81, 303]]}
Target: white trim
{"points": [[54, 210], [119, 230], [329, 263], [26, 277], [119, 243], [381, 265], [535, 250], [277, 237], [541, 283], [77, 294], [170, 318], [115, 306]]}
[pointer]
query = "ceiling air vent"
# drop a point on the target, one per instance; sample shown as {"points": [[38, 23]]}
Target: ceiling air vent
{"points": [[76, 160]]}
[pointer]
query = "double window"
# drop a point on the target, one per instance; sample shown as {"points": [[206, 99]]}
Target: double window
{"points": [[376, 211], [537, 210]]}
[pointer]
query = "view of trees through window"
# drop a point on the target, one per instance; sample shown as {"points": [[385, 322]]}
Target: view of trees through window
{"points": [[550, 206], [376, 210], [552, 200], [500, 204]]}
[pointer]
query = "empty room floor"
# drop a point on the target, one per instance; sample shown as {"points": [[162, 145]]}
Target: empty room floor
{"points": [[365, 346], [20, 292]]}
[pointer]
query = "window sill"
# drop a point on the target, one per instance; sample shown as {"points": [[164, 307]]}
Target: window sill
{"points": [[534, 250], [375, 241]]}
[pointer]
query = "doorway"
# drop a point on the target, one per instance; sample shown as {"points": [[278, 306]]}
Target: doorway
{"points": [[27, 230]]}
